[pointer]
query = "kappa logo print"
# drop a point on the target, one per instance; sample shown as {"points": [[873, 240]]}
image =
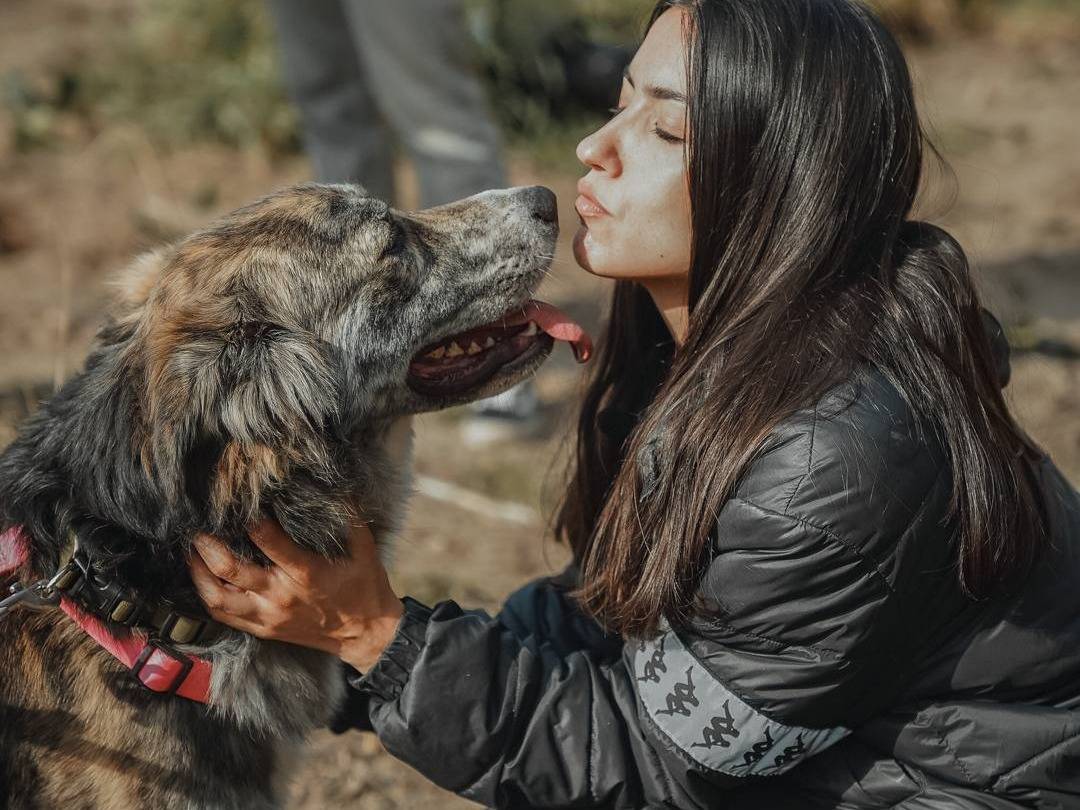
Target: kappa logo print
{"points": [[719, 730], [791, 752], [655, 665], [758, 751], [709, 722], [681, 697]]}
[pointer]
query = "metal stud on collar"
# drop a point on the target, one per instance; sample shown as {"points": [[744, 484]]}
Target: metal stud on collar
{"points": [[181, 629]]}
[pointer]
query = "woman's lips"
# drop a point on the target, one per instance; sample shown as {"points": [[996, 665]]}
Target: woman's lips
{"points": [[588, 207]]}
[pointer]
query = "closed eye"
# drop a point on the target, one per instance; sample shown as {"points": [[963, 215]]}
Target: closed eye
{"points": [[666, 136]]}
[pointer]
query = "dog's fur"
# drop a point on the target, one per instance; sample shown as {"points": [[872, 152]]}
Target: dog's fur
{"points": [[256, 368]]}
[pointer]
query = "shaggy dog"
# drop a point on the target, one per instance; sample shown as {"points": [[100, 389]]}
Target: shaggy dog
{"points": [[265, 366]]}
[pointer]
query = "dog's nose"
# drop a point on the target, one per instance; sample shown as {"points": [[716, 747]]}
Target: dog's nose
{"points": [[542, 204]]}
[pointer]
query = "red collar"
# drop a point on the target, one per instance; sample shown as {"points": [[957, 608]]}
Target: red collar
{"points": [[153, 665]]}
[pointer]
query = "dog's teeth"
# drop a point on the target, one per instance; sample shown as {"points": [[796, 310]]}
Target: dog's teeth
{"points": [[489, 343], [531, 329], [438, 353], [454, 350], [474, 348]]}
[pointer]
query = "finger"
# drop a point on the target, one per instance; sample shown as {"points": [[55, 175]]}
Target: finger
{"points": [[227, 566], [280, 548], [223, 601], [227, 604]]}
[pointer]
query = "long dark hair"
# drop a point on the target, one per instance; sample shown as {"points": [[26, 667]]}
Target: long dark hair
{"points": [[805, 158]]}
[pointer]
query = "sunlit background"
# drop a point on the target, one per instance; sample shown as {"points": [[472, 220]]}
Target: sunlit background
{"points": [[127, 123]]}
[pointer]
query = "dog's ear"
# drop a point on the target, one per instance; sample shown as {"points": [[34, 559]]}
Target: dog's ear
{"points": [[131, 289], [235, 407]]}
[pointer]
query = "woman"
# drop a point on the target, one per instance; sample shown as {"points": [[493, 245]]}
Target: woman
{"points": [[832, 570]]}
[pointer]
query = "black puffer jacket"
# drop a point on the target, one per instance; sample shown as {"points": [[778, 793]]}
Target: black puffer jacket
{"points": [[844, 668]]}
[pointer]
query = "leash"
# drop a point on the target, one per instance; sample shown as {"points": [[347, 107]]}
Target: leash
{"points": [[85, 597]]}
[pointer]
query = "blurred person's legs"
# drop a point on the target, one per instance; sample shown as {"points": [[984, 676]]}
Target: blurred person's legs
{"points": [[355, 66], [416, 54], [344, 134], [416, 57]]}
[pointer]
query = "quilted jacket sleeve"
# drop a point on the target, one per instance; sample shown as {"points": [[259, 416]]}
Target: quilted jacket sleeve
{"points": [[816, 602], [542, 613]]}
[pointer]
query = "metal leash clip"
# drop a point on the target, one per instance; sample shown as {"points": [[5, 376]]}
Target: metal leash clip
{"points": [[45, 593], [37, 595]]}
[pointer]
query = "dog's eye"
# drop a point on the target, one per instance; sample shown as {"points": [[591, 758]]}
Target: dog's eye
{"points": [[395, 244]]}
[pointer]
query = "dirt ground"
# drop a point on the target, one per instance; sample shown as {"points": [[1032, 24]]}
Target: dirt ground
{"points": [[1003, 109]]}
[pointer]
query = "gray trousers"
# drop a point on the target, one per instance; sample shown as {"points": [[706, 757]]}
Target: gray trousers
{"points": [[365, 73]]}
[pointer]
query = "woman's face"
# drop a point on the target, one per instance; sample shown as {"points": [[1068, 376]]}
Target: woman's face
{"points": [[634, 202]]}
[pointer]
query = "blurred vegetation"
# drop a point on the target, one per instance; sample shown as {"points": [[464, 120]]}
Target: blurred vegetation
{"points": [[183, 71], [190, 70], [520, 46], [187, 71], [926, 21], [35, 108]]}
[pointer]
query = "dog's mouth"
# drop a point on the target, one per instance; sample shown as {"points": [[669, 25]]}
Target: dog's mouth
{"points": [[463, 362]]}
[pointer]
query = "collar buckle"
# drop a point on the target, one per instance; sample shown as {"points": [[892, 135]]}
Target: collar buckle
{"points": [[160, 669]]}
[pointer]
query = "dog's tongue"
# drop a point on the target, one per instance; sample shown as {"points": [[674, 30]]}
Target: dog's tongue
{"points": [[558, 324]]}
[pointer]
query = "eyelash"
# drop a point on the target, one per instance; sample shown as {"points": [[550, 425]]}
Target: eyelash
{"points": [[666, 136], [660, 133]]}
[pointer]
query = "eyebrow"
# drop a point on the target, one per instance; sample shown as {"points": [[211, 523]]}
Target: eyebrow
{"points": [[661, 93]]}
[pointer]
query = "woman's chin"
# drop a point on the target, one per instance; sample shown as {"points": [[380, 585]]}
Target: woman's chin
{"points": [[581, 250], [591, 256]]}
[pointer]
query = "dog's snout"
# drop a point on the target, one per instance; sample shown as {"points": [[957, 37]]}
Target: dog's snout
{"points": [[543, 204]]}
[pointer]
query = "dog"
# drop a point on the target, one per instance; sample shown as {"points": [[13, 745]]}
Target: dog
{"points": [[265, 366]]}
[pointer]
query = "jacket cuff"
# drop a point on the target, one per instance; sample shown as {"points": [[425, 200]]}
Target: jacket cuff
{"points": [[387, 678], [353, 713]]}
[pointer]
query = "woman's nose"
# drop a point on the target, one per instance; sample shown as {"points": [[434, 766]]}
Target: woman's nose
{"points": [[598, 150]]}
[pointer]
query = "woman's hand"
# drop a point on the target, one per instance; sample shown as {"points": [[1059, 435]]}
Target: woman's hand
{"points": [[345, 607]]}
